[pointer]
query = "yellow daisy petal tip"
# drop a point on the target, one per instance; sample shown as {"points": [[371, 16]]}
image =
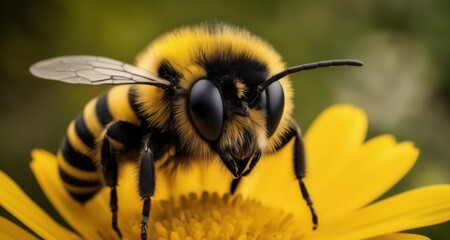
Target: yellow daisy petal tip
{"points": [[346, 109], [38, 153], [336, 117], [410, 148], [387, 139]]}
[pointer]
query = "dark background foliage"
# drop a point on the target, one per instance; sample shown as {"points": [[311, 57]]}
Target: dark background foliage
{"points": [[404, 87]]}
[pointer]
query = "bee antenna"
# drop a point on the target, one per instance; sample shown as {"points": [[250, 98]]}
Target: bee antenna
{"points": [[308, 66]]}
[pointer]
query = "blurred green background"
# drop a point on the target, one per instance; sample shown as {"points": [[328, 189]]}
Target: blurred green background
{"points": [[404, 85]]}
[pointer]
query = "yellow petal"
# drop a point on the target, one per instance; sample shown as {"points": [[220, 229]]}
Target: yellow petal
{"points": [[15, 201], [273, 183], [9, 230], [330, 142], [400, 236], [196, 178], [183, 181], [416, 208], [215, 177], [378, 165], [92, 220], [162, 191]]}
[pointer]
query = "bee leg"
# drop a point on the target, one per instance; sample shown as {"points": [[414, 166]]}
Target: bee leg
{"points": [[300, 171], [109, 162], [120, 137], [146, 185]]}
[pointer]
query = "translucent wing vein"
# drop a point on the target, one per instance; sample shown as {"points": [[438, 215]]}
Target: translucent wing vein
{"points": [[94, 70]]}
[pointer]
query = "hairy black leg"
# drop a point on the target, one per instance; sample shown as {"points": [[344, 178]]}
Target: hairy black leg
{"points": [[300, 171], [109, 161], [120, 138], [308, 200], [145, 217], [146, 186]]}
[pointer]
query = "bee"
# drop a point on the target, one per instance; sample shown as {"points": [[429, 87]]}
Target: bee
{"points": [[197, 92]]}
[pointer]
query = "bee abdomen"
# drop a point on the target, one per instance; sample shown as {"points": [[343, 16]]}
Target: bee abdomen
{"points": [[78, 172], [79, 155]]}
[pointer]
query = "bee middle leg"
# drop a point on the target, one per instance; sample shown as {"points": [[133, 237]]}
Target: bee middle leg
{"points": [[125, 138], [119, 137]]}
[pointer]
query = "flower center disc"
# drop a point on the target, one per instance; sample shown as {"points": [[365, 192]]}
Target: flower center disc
{"points": [[213, 217]]}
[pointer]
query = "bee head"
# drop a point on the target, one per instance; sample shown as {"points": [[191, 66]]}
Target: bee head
{"points": [[222, 94], [215, 69], [219, 111]]}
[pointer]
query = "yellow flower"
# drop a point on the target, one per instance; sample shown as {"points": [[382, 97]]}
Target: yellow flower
{"points": [[345, 175]]}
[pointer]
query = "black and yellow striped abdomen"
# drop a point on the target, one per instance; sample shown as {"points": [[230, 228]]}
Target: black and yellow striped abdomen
{"points": [[78, 156]]}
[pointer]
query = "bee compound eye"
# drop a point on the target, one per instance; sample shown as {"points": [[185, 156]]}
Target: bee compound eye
{"points": [[273, 100], [206, 109]]}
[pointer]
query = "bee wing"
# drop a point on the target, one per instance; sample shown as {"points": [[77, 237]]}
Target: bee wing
{"points": [[94, 70]]}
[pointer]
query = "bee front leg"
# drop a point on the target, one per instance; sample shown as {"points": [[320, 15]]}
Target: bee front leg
{"points": [[146, 184], [154, 145], [300, 170]]}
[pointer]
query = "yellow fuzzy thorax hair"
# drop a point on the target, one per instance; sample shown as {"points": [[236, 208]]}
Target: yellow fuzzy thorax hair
{"points": [[184, 46]]}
